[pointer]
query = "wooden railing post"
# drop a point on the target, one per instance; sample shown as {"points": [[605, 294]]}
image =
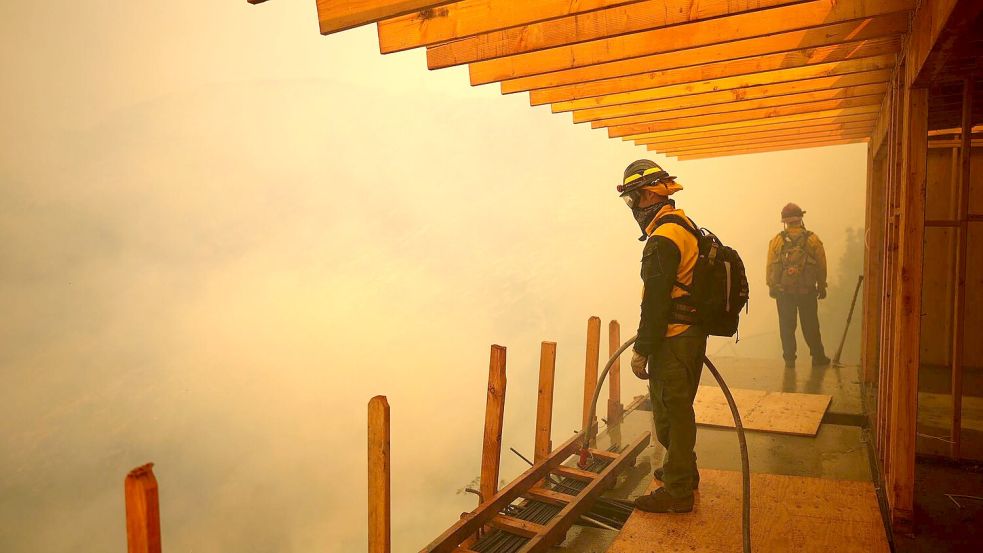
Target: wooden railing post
{"points": [[491, 451], [544, 404], [615, 408], [380, 522], [142, 510], [590, 367]]}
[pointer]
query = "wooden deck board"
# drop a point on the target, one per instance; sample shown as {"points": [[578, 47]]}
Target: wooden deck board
{"points": [[779, 412], [788, 513]]}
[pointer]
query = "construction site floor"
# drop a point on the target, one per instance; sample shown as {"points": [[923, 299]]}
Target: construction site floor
{"points": [[839, 451]]}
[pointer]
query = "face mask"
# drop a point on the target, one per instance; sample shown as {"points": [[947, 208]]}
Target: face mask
{"points": [[644, 216]]}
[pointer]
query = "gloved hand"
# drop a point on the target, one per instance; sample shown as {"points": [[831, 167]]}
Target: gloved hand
{"points": [[822, 294], [638, 363], [772, 292]]}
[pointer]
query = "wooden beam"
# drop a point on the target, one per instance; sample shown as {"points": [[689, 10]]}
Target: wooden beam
{"points": [[791, 131], [709, 146], [962, 251], [766, 145], [593, 353], [615, 408], [880, 127], [340, 15], [380, 518], [746, 115], [873, 238], [834, 115], [813, 15], [142, 510], [835, 58], [745, 53], [472, 17], [907, 330], [544, 404], [516, 526], [850, 121], [592, 25], [935, 29], [559, 524], [780, 76], [771, 149], [491, 450], [545, 495], [769, 95], [492, 505], [575, 473]]}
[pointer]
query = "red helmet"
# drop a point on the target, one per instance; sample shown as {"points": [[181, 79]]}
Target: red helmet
{"points": [[792, 213]]}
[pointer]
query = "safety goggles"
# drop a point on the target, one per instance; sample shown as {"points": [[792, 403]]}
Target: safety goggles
{"points": [[631, 190]]}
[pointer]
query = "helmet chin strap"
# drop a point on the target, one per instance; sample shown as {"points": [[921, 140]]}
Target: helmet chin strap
{"points": [[644, 216]]}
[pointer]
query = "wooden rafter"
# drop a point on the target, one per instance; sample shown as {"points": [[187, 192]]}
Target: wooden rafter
{"points": [[810, 18], [599, 24], [752, 115], [759, 126], [339, 15], [703, 138], [795, 146], [793, 44], [472, 17], [760, 138], [846, 86], [763, 143]]}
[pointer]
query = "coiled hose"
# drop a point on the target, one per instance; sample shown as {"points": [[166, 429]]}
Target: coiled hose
{"points": [[745, 464]]}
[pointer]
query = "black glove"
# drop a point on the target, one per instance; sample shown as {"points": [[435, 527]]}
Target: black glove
{"points": [[822, 294]]}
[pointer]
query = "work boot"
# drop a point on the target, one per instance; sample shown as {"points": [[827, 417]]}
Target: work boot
{"points": [[790, 363], [659, 472], [660, 501], [820, 362]]}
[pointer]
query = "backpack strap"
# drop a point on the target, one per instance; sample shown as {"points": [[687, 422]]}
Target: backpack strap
{"points": [[677, 220]]}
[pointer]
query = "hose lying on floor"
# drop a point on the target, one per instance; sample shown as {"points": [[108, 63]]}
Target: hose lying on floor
{"points": [[745, 465]]}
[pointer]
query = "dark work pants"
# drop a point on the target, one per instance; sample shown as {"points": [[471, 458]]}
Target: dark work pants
{"points": [[674, 377], [807, 307]]}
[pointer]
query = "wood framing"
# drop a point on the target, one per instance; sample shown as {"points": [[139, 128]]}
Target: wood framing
{"points": [[544, 404], [772, 148], [615, 408], [671, 142], [824, 116], [757, 143], [338, 15], [491, 449], [847, 121], [593, 352], [142, 510], [380, 494]]}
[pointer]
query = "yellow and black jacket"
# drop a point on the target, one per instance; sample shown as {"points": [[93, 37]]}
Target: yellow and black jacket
{"points": [[815, 270], [667, 272]]}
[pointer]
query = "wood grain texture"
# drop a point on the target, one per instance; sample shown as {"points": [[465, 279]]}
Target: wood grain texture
{"points": [[380, 488], [776, 148], [593, 352], [616, 409], [805, 515], [671, 142], [491, 447], [778, 412], [340, 15], [544, 401], [760, 126], [142, 510], [760, 142], [812, 17]]}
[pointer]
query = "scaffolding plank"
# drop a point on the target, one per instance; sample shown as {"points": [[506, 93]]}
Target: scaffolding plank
{"points": [[788, 513], [811, 17], [593, 25]]}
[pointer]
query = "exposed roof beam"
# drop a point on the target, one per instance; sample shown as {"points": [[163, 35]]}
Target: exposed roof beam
{"points": [[599, 24], [836, 57], [935, 29], [810, 17], [757, 126], [799, 112], [741, 51], [339, 15], [673, 142], [865, 94], [471, 17], [792, 146], [734, 95], [694, 150]]}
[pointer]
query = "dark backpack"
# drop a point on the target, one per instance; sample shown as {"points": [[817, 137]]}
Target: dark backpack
{"points": [[798, 273], [720, 288]]}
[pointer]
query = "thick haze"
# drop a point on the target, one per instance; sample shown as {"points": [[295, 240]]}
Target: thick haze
{"points": [[221, 234]]}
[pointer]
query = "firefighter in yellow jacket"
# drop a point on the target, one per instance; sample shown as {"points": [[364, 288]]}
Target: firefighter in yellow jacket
{"points": [[796, 278], [671, 344]]}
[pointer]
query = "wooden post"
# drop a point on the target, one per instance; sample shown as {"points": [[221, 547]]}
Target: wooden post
{"points": [[544, 404], [590, 371], [907, 329], [380, 521], [615, 408], [491, 450], [962, 241], [142, 510]]}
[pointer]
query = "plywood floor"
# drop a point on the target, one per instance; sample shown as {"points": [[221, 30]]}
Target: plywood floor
{"points": [[784, 413], [788, 513]]}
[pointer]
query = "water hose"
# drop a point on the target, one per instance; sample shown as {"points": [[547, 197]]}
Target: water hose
{"points": [[745, 464]]}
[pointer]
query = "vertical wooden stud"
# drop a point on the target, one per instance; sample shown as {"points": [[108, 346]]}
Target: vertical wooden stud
{"points": [[544, 404], [590, 370], [615, 408], [380, 521], [491, 450], [962, 240], [142, 510], [907, 328]]}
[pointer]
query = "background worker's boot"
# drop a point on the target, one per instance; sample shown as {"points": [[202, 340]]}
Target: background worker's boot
{"points": [[659, 472], [789, 363], [660, 501], [820, 362]]}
